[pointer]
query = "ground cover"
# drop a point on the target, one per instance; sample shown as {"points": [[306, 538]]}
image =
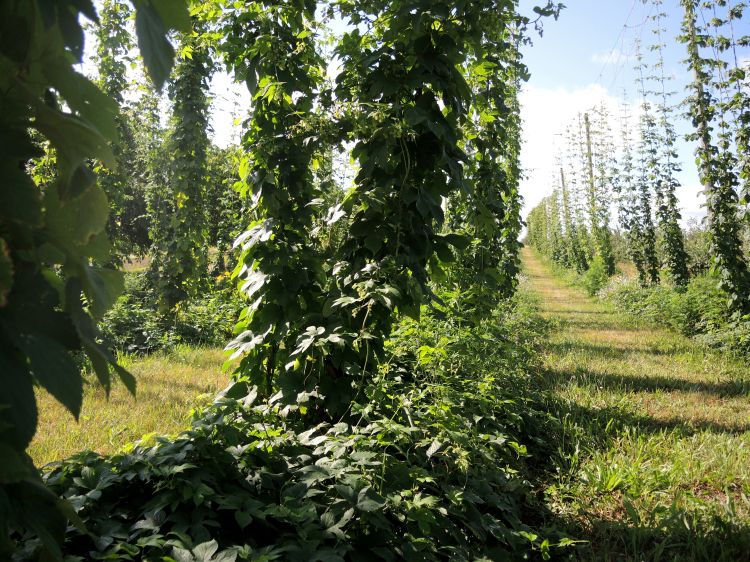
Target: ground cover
{"points": [[654, 460]]}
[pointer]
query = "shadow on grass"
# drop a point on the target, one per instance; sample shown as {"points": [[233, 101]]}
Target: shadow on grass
{"points": [[673, 539], [644, 383], [605, 325], [613, 351], [704, 533], [567, 312]]}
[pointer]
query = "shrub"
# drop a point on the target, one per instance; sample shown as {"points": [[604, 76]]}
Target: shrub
{"points": [[699, 310], [135, 325], [698, 247], [595, 277]]}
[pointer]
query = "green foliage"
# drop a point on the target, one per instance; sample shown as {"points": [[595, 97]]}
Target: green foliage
{"points": [[134, 324], [716, 164], [224, 208], [595, 277], [180, 251], [598, 200], [315, 337], [488, 214], [280, 266], [647, 175], [55, 287], [425, 467], [559, 227], [127, 227], [699, 310], [322, 311], [666, 184]]}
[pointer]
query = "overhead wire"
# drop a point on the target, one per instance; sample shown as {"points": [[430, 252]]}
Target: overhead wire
{"points": [[618, 47]]}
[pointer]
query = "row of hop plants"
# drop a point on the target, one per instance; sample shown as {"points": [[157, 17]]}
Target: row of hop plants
{"points": [[169, 188], [324, 424], [635, 178]]}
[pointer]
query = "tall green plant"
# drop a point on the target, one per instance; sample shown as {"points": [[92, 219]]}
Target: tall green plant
{"points": [[716, 167], [321, 312], [667, 184], [224, 208], [598, 202], [488, 214], [575, 231], [544, 229], [180, 234], [739, 80], [272, 49], [128, 225], [647, 178]]}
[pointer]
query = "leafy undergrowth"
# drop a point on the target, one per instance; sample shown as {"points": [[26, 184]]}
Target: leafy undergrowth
{"points": [[434, 462], [135, 325], [700, 310], [653, 457]]}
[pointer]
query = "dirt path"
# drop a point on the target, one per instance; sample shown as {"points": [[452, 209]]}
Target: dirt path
{"points": [[658, 431]]}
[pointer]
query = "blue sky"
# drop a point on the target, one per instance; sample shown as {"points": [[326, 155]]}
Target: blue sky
{"points": [[585, 57]]}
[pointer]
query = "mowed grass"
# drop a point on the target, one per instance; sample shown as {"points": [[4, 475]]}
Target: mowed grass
{"points": [[170, 385], [654, 460]]}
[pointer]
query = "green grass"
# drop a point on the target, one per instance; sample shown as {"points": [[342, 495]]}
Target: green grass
{"points": [[654, 457], [170, 385]]}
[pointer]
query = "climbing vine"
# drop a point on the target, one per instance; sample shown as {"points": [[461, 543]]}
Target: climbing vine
{"points": [[272, 49], [179, 235], [716, 163], [488, 213], [128, 226], [320, 313], [666, 183], [598, 188]]}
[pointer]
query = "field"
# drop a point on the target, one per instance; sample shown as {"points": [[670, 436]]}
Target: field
{"points": [[170, 385], [655, 460]]}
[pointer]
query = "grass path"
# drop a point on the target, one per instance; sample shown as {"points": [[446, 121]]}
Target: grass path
{"points": [[655, 458]]}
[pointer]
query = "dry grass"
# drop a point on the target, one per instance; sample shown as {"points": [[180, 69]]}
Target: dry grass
{"points": [[169, 386], [658, 432]]}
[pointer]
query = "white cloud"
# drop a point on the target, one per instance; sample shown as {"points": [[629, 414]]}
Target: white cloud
{"points": [[546, 113], [615, 57]]}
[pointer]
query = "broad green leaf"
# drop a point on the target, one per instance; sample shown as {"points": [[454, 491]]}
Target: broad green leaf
{"points": [[23, 203], [54, 369], [14, 466], [40, 513], [74, 139], [6, 273], [75, 222], [83, 97], [101, 358], [157, 51], [174, 14], [18, 412], [102, 287]]}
